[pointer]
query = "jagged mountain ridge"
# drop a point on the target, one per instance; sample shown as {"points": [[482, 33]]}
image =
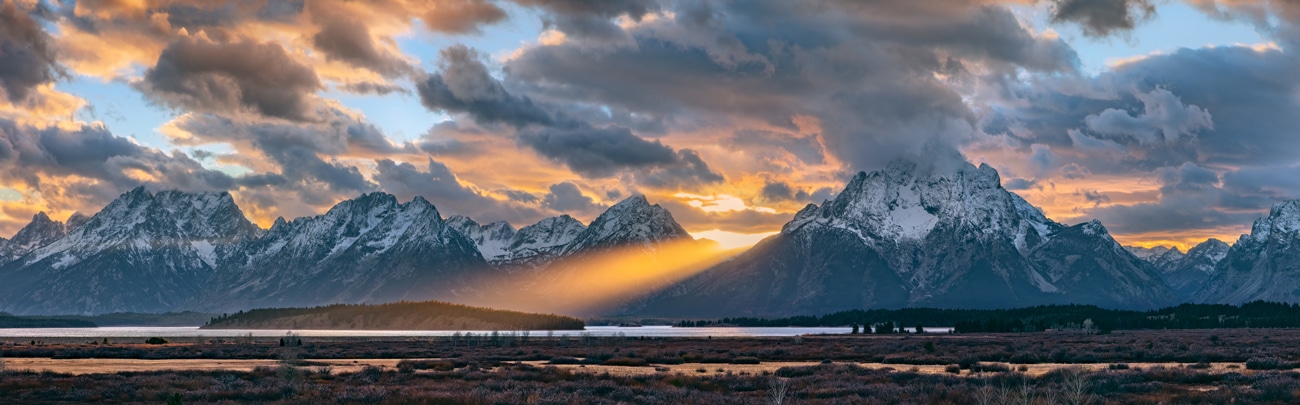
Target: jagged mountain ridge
{"points": [[906, 237], [366, 250], [39, 232], [144, 252], [1185, 273], [533, 246], [1262, 265]]}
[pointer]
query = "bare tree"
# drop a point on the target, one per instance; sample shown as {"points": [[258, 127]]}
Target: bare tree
{"points": [[1075, 387], [777, 388]]}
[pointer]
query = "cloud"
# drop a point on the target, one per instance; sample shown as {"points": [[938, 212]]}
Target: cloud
{"points": [[379, 89], [462, 16], [199, 74], [598, 152], [1164, 119], [26, 58], [463, 85], [348, 39], [567, 197], [1100, 18], [80, 168], [880, 80], [440, 186]]}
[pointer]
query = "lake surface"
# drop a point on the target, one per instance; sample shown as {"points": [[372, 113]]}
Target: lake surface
{"points": [[655, 331]]}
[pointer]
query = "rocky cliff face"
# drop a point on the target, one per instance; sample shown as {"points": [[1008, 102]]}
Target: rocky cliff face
{"points": [[1262, 265]]}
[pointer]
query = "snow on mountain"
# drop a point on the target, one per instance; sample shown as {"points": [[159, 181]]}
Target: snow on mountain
{"points": [[1159, 256], [1262, 265], [908, 236], [493, 240], [138, 254], [369, 249]]}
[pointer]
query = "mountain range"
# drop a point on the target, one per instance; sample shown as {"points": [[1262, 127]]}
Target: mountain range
{"points": [[904, 236]]}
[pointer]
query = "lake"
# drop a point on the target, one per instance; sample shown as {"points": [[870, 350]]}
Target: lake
{"points": [[191, 331]]}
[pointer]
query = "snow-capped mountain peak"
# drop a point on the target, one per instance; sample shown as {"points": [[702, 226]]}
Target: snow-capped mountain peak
{"points": [[904, 203], [633, 221]]}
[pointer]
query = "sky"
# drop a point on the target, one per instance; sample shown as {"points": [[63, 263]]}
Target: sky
{"points": [[1170, 121]]}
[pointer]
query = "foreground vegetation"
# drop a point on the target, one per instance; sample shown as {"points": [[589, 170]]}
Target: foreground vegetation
{"points": [[427, 315], [510, 383], [1258, 314], [487, 369]]}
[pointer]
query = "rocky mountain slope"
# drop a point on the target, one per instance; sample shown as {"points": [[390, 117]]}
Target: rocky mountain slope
{"points": [[1262, 265], [907, 237]]}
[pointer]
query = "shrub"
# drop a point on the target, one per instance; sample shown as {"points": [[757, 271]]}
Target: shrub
{"points": [[564, 360], [156, 341], [1268, 363], [745, 360], [1118, 366], [626, 361], [1199, 366], [952, 368], [989, 368]]}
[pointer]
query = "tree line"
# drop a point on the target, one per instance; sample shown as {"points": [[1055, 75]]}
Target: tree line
{"points": [[401, 312], [1089, 318]]}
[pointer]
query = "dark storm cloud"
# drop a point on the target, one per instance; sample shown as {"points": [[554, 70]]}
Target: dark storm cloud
{"points": [[348, 40], [688, 171], [199, 74], [463, 85], [867, 70], [1190, 198], [34, 155], [567, 198], [26, 58], [439, 185], [1099, 18], [779, 191], [598, 152]]}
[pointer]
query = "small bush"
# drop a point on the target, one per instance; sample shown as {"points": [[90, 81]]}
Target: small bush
{"points": [[1118, 366], [1199, 366], [156, 341], [952, 368]]}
